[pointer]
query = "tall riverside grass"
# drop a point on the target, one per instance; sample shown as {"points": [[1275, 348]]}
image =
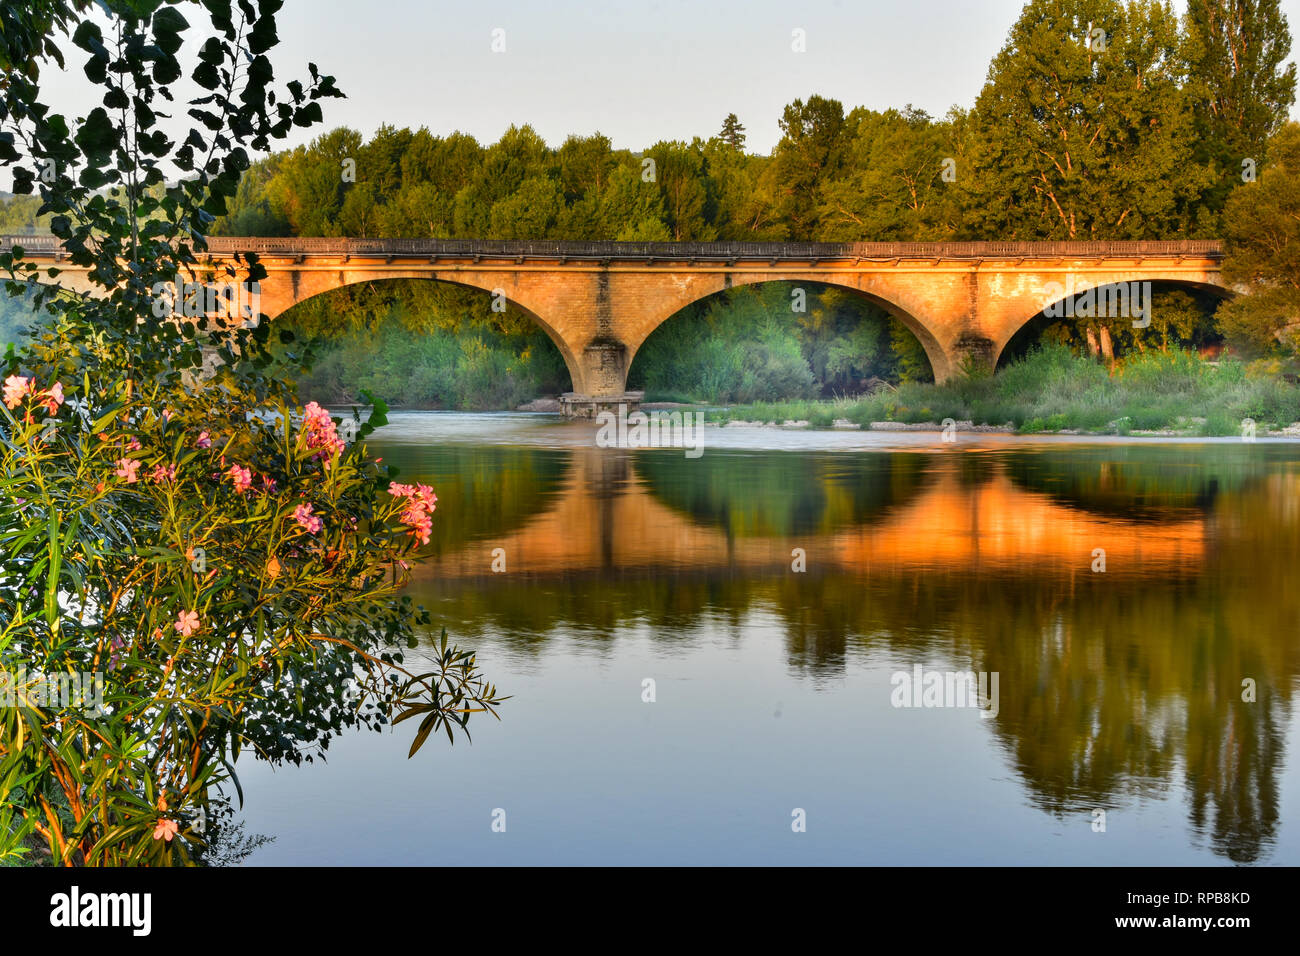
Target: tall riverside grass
{"points": [[1052, 389]]}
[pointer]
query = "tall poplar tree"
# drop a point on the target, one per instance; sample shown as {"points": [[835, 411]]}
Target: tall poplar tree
{"points": [[1242, 85]]}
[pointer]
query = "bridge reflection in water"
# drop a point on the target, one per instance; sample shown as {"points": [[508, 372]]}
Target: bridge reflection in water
{"points": [[1113, 685], [606, 516]]}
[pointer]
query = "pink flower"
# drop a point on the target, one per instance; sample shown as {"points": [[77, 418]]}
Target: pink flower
{"points": [[268, 484], [116, 648], [203, 440], [127, 468], [417, 514], [16, 386], [162, 473], [320, 432], [242, 477], [53, 398], [133, 445], [166, 414], [302, 514], [187, 622], [165, 830]]}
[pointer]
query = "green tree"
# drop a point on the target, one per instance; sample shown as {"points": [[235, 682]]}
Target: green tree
{"points": [[585, 165], [745, 201], [309, 187], [893, 185], [1261, 230], [809, 155], [1242, 83], [380, 160], [361, 213], [631, 209], [518, 155], [1084, 129], [20, 214], [530, 212], [682, 174], [250, 211], [447, 163], [733, 134], [420, 210]]}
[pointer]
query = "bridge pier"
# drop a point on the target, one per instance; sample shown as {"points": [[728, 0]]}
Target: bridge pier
{"points": [[575, 405], [601, 381], [604, 367], [971, 353]]}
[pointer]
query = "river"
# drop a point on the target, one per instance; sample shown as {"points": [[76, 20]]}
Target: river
{"points": [[712, 659]]}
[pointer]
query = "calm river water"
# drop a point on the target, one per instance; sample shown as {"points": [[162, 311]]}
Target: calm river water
{"points": [[1144, 713]]}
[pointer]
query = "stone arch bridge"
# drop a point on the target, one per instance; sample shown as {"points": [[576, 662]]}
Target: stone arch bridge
{"points": [[598, 301]]}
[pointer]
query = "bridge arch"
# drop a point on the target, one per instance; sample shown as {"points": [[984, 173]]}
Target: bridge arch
{"points": [[896, 301], [276, 303], [1052, 293]]}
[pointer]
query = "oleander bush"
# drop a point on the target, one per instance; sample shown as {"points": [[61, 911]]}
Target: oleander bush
{"points": [[194, 568]]}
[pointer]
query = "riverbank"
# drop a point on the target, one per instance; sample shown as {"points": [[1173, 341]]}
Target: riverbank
{"points": [[1174, 394], [1195, 428]]}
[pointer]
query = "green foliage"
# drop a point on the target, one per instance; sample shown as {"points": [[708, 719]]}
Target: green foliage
{"points": [[733, 133], [20, 215], [422, 345], [893, 187], [1237, 57], [1262, 236], [1082, 135], [1053, 388], [809, 156], [751, 345]]}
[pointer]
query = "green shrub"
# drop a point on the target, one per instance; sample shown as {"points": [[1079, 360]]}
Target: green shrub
{"points": [[1219, 423], [821, 417]]}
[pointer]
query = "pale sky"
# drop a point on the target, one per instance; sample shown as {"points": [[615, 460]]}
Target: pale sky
{"points": [[637, 71], [643, 70]]}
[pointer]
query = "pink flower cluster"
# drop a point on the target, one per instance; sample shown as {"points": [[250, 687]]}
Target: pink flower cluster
{"points": [[417, 513], [18, 387], [320, 432], [242, 478], [302, 514]]}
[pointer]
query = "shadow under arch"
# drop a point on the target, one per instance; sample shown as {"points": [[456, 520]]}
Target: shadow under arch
{"points": [[935, 355], [394, 282], [1034, 328]]}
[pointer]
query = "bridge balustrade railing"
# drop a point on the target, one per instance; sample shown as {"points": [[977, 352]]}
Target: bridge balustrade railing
{"points": [[678, 251], [671, 251]]}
